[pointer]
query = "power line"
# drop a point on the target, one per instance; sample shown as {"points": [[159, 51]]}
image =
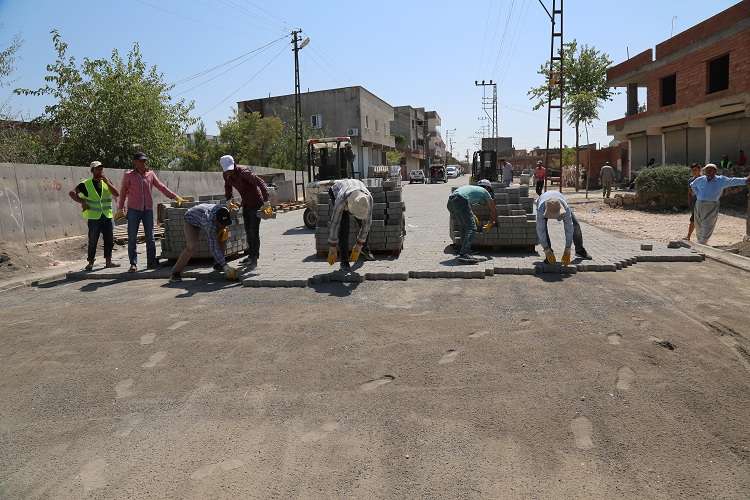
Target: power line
{"points": [[176, 14], [276, 56], [505, 32], [213, 68], [259, 22]]}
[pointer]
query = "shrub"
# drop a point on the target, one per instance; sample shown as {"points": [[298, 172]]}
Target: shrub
{"points": [[664, 186]]}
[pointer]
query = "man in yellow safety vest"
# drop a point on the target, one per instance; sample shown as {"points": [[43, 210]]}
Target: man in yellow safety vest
{"points": [[95, 197]]}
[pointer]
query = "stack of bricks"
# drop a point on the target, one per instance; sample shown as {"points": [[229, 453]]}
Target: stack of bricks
{"points": [[516, 221], [173, 242], [388, 218]]}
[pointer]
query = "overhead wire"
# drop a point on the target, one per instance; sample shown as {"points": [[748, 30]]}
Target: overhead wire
{"points": [[505, 32], [258, 22], [244, 84]]}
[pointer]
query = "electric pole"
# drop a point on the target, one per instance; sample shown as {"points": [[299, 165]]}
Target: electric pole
{"points": [[298, 139], [555, 85], [489, 106]]}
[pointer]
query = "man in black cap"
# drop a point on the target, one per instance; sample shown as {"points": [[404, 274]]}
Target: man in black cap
{"points": [[215, 221]]}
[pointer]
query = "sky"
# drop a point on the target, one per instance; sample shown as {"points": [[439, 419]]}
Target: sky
{"points": [[423, 54]]}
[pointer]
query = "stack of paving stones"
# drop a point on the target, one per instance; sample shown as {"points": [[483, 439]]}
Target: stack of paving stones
{"points": [[388, 218], [516, 221], [173, 242]]}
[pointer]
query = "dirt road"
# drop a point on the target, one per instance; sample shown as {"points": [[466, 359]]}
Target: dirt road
{"points": [[442, 389]]}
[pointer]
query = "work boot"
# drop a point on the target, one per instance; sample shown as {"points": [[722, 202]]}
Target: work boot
{"points": [[345, 266], [111, 264], [89, 266], [252, 263], [583, 254], [175, 277]]}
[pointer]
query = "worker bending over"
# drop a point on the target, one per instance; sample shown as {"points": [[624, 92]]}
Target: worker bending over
{"points": [[459, 205], [553, 205], [349, 197], [215, 221]]}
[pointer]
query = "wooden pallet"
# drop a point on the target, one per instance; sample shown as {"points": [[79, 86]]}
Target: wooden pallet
{"points": [[288, 207]]}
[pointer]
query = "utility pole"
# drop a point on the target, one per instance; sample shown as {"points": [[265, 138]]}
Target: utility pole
{"points": [[298, 139], [449, 133], [555, 98], [489, 106]]}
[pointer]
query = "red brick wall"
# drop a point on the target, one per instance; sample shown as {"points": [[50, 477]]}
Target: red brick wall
{"points": [[692, 74], [631, 64], [710, 26]]}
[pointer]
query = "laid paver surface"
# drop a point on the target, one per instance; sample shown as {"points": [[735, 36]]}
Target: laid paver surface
{"points": [[288, 255]]}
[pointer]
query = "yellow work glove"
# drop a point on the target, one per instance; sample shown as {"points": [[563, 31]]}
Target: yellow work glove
{"points": [[332, 254], [488, 226], [551, 259], [179, 200], [231, 273], [354, 256], [268, 212], [566, 257], [231, 205], [119, 215], [224, 234]]}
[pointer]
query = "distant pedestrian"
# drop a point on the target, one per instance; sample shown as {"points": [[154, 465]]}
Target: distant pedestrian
{"points": [[254, 194], [742, 160], [695, 172], [708, 189], [136, 191], [725, 165], [540, 173], [348, 160], [95, 196], [651, 162], [507, 172], [607, 176], [553, 205]]}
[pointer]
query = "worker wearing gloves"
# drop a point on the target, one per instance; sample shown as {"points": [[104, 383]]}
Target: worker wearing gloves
{"points": [[459, 205], [136, 190], [349, 197], [215, 221], [553, 205], [255, 204]]}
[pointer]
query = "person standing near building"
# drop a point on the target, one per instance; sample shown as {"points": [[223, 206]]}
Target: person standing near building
{"points": [[95, 197], [540, 173], [350, 197], [553, 205], [507, 172], [349, 160], [742, 162], [708, 189], [214, 220], [695, 172], [725, 165], [607, 177], [136, 191], [459, 205], [254, 194]]}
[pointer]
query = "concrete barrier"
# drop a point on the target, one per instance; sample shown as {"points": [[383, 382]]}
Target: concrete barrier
{"points": [[35, 206]]}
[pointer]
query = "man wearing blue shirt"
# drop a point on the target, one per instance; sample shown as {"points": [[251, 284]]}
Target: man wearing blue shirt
{"points": [[459, 205], [553, 205], [707, 190]]}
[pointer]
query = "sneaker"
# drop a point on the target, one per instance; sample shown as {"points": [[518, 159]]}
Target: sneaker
{"points": [[175, 277], [89, 267], [133, 268], [583, 254], [111, 264]]}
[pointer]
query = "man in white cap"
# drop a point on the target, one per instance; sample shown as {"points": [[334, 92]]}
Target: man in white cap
{"points": [[459, 205], [254, 194], [507, 172], [553, 205], [607, 177], [707, 190], [349, 197]]}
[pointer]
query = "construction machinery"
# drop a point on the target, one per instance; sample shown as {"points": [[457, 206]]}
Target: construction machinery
{"points": [[328, 159], [484, 166]]}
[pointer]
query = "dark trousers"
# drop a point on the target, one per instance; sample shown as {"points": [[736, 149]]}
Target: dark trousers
{"points": [[539, 187], [252, 231], [344, 249], [577, 235], [102, 226]]}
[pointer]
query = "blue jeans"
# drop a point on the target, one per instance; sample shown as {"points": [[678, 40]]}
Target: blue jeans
{"points": [[135, 217], [460, 209]]}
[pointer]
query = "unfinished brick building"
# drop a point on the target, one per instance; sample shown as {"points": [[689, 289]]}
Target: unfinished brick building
{"points": [[698, 94]]}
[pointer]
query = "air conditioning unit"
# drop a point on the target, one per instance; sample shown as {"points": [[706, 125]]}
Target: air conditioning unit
{"points": [[352, 132]]}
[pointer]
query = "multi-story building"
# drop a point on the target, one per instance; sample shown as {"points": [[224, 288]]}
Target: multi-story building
{"points": [[408, 128], [697, 105], [349, 111], [435, 143]]}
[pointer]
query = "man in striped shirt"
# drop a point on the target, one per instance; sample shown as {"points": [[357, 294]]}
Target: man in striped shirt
{"points": [[214, 221], [349, 197]]}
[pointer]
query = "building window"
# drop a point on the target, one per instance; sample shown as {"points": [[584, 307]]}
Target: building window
{"points": [[376, 125], [316, 121], [718, 74], [669, 90], [367, 122]]}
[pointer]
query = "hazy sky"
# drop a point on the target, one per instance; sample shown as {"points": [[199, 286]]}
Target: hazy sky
{"points": [[407, 52]]}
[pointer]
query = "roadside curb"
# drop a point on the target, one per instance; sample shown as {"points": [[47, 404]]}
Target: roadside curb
{"points": [[728, 258]]}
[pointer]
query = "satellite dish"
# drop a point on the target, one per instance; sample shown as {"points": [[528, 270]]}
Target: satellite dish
{"points": [[304, 43]]}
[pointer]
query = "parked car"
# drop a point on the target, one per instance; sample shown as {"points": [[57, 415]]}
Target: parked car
{"points": [[451, 171], [417, 176], [437, 174]]}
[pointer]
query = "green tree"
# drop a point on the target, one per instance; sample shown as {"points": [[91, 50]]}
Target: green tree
{"points": [[584, 85], [393, 157], [106, 108], [200, 153], [250, 138]]}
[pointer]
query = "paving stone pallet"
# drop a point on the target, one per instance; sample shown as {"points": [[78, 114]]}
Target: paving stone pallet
{"points": [[387, 230], [515, 226], [173, 242]]}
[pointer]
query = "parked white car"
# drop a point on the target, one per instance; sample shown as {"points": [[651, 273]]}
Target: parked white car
{"points": [[417, 176], [451, 171]]}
